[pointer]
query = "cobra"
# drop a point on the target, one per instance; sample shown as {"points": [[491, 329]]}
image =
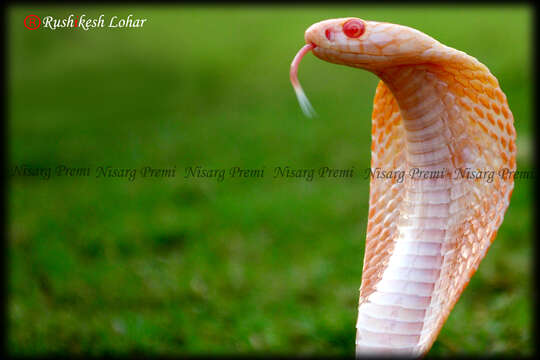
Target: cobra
{"points": [[436, 110]]}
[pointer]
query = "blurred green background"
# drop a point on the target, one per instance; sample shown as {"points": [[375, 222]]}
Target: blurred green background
{"points": [[183, 266]]}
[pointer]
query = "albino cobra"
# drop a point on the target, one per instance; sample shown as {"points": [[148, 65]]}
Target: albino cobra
{"points": [[436, 111]]}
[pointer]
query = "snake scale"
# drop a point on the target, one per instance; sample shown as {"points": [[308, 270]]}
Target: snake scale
{"points": [[436, 111]]}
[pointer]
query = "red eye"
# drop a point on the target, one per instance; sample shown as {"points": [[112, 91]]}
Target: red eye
{"points": [[354, 28]]}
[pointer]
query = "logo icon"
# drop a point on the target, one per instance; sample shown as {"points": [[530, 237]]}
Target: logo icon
{"points": [[32, 22]]}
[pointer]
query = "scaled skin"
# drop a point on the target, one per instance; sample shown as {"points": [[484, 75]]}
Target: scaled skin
{"points": [[436, 110]]}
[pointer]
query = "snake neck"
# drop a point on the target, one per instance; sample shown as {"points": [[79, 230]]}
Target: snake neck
{"points": [[425, 106], [405, 298]]}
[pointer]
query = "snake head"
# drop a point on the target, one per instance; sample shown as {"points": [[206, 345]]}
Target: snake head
{"points": [[369, 45], [365, 44]]}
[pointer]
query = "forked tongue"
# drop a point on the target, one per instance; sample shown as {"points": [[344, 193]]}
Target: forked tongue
{"points": [[302, 99]]}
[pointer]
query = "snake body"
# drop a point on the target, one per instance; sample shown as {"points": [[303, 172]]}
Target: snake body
{"points": [[440, 114]]}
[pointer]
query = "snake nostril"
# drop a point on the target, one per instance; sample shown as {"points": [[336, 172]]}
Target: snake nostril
{"points": [[329, 34]]}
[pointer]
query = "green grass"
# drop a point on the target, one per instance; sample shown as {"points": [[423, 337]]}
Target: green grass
{"points": [[183, 266]]}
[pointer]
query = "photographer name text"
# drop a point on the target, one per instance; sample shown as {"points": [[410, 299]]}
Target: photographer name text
{"points": [[86, 23]]}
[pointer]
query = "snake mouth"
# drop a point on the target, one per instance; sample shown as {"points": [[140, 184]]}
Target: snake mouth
{"points": [[351, 58], [302, 99]]}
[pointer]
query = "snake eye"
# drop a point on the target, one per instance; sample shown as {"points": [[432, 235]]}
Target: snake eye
{"points": [[354, 28]]}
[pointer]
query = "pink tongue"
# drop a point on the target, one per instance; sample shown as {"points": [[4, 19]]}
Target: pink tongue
{"points": [[294, 65], [302, 99]]}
